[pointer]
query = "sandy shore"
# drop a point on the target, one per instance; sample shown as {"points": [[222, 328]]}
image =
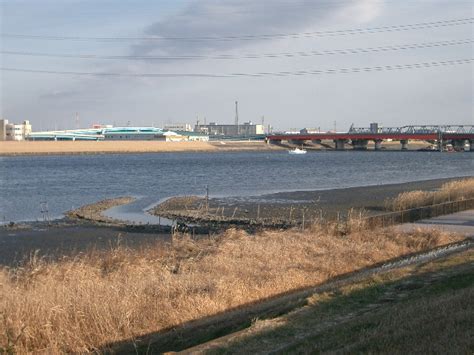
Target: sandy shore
{"points": [[104, 147], [111, 147]]}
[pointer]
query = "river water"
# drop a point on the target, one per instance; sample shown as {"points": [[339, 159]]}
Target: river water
{"points": [[66, 182]]}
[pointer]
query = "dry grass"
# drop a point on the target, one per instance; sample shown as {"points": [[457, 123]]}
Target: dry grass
{"points": [[450, 191], [80, 304]]}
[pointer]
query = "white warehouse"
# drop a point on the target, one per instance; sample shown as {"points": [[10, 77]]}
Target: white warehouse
{"points": [[14, 132]]}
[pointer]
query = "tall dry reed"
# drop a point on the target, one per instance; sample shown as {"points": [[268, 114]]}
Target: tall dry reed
{"points": [[79, 304], [450, 191]]}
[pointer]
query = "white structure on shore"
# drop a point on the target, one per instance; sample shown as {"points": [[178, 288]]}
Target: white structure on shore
{"points": [[109, 133], [14, 132]]}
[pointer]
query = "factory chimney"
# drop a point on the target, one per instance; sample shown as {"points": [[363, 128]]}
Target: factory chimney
{"points": [[237, 116]]}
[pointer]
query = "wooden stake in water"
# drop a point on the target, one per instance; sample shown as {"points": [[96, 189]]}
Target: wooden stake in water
{"points": [[303, 220]]}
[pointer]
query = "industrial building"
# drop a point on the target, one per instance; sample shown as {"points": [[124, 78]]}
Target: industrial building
{"points": [[310, 130], [14, 132], [245, 130], [184, 127], [133, 133]]}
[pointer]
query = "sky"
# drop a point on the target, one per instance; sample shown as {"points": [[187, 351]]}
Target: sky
{"points": [[193, 36]]}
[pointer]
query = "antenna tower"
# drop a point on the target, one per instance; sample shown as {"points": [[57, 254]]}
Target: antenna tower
{"points": [[236, 113]]}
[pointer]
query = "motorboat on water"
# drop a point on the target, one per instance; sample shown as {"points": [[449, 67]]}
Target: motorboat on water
{"points": [[297, 151]]}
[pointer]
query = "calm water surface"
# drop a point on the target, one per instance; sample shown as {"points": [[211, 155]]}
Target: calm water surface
{"points": [[66, 182]]}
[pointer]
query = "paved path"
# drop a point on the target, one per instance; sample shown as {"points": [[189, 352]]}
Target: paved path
{"points": [[461, 222]]}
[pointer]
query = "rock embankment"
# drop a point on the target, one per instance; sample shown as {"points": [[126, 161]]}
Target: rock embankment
{"points": [[93, 212], [213, 214]]}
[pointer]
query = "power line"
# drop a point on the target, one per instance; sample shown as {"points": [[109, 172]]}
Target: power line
{"points": [[356, 31], [250, 55], [261, 74]]}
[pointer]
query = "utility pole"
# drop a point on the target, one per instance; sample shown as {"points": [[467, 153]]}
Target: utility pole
{"points": [[77, 120], [440, 140], [207, 198]]}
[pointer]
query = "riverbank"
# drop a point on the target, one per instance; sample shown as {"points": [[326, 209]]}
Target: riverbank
{"points": [[290, 207], [156, 289], [8, 148], [121, 147], [72, 236]]}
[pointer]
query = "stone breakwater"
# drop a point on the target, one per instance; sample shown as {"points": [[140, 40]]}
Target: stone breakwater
{"points": [[93, 212]]}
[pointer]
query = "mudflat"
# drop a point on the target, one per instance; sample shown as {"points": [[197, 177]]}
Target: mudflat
{"points": [[68, 238], [294, 204]]}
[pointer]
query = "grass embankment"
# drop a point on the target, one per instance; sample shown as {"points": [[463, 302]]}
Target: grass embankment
{"points": [[417, 309], [450, 191], [80, 304]]}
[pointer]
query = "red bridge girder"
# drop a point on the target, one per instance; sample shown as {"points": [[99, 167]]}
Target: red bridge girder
{"points": [[369, 136]]}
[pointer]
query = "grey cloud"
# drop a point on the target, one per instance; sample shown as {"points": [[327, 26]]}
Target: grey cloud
{"points": [[234, 17], [60, 94]]}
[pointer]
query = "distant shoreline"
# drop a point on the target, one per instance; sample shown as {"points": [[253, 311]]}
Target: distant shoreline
{"points": [[34, 148], [125, 147]]}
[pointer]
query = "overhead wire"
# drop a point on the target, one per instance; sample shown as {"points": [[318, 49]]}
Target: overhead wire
{"points": [[250, 55], [345, 32], [258, 74]]}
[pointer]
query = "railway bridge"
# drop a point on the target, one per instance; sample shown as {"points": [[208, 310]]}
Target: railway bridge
{"points": [[460, 136]]}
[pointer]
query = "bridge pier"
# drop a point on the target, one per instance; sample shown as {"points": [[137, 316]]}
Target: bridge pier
{"points": [[467, 146], [359, 144], [458, 144], [464, 145], [404, 143], [296, 141], [339, 144], [378, 144], [472, 145]]}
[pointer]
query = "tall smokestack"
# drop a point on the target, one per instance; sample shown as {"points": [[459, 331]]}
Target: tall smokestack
{"points": [[236, 113], [237, 116]]}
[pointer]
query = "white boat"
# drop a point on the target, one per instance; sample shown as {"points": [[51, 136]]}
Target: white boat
{"points": [[297, 151]]}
